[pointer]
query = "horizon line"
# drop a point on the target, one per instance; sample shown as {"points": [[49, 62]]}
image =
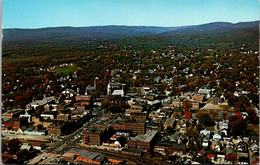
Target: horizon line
{"points": [[125, 25]]}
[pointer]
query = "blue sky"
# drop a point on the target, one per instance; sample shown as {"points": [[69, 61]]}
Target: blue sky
{"points": [[53, 13]]}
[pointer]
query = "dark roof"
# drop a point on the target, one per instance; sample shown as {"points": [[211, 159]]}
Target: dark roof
{"points": [[163, 143], [133, 150], [90, 88], [198, 159], [178, 146]]}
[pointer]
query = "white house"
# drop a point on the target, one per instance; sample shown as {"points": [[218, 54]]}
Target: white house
{"points": [[216, 136], [205, 132], [26, 115]]}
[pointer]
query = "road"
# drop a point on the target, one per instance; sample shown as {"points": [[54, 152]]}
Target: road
{"points": [[62, 144]]}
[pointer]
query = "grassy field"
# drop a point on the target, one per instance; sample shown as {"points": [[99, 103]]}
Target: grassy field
{"points": [[65, 70]]}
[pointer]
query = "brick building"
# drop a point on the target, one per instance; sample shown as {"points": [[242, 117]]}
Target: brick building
{"points": [[143, 141], [64, 117], [60, 128], [86, 156], [118, 127], [80, 106], [137, 106], [84, 100], [97, 135], [171, 147], [16, 123], [138, 117], [62, 107], [129, 111], [135, 127]]}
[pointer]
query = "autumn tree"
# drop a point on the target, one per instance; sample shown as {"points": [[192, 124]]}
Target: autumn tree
{"points": [[114, 104], [186, 106]]}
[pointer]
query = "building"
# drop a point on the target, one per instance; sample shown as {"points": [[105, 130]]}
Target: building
{"points": [[135, 127], [115, 160], [15, 113], [162, 147], [205, 92], [118, 92], [143, 141], [97, 135], [169, 123], [118, 126], [60, 128], [85, 156], [64, 117], [138, 117], [84, 100], [68, 156], [129, 111], [16, 123], [62, 107], [26, 115]]}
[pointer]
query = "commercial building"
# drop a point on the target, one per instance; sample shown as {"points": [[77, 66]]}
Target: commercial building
{"points": [[143, 141], [135, 127], [97, 135], [85, 156]]}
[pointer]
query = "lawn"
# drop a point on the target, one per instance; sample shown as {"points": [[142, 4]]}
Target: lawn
{"points": [[65, 70]]}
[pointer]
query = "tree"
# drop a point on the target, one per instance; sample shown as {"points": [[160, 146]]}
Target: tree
{"points": [[237, 126], [205, 119], [20, 101], [114, 104], [186, 106]]}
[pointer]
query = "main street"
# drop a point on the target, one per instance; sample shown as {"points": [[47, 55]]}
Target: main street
{"points": [[62, 144]]}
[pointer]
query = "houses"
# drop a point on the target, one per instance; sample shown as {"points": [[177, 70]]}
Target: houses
{"points": [[205, 132]]}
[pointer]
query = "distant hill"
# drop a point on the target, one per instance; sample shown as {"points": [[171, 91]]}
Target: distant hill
{"points": [[215, 27], [217, 34], [80, 33], [212, 35]]}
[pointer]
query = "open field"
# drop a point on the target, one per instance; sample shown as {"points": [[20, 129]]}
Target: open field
{"points": [[65, 70]]}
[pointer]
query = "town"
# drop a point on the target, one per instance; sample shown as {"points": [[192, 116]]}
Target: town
{"points": [[126, 105]]}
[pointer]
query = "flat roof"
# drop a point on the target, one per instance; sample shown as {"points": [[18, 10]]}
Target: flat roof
{"points": [[86, 153], [145, 137], [118, 92]]}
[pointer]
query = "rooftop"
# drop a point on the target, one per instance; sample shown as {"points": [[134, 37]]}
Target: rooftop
{"points": [[85, 153], [118, 92], [145, 137]]}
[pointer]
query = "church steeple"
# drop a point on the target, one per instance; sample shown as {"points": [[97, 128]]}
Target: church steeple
{"points": [[108, 88]]}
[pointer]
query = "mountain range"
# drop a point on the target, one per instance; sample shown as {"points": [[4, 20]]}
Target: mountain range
{"points": [[60, 34]]}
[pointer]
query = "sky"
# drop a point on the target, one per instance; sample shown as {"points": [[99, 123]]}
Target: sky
{"points": [[167, 13]]}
